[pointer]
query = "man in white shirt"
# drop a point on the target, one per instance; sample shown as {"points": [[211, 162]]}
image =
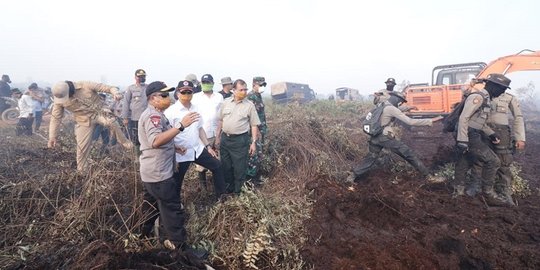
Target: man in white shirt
{"points": [[208, 102], [192, 144], [26, 116]]}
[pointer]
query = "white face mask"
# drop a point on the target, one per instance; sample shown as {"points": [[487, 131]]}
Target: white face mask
{"points": [[261, 89]]}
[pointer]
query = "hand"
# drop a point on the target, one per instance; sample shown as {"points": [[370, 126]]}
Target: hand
{"points": [[117, 96], [180, 150], [51, 143], [212, 152], [252, 149], [414, 108], [190, 118], [520, 145], [435, 119], [125, 121], [494, 138], [462, 147], [217, 143]]}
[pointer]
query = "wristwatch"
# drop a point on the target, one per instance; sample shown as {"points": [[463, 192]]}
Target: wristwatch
{"points": [[179, 126]]}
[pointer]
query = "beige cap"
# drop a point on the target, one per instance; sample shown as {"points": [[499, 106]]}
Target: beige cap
{"points": [[60, 92]]}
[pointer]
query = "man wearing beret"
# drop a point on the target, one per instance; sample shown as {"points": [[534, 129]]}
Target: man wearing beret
{"points": [[82, 99]]}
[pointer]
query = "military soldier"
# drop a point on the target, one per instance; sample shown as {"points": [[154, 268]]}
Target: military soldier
{"points": [[472, 129], [82, 99], [161, 189], [387, 140], [254, 162], [226, 83], [237, 117], [134, 103]]}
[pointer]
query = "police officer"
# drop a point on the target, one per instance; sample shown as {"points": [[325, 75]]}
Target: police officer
{"points": [[253, 172], [498, 122], [237, 117], [472, 129], [384, 94], [387, 140], [134, 103], [82, 99], [161, 189]]}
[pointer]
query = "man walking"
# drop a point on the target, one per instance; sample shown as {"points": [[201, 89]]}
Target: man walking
{"points": [[82, 99], [208, 104], [134, 103], [237, 117], [161, 189]]}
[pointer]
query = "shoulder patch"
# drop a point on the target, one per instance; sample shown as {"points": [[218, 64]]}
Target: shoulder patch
{"points": [[477, 100], [156, 120]]}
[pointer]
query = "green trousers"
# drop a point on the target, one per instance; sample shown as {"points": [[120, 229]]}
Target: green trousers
{"points": [[234, 152]]}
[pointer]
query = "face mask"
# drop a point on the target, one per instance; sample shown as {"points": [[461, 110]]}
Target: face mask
{"points": [[186, 97], [390, 87], [163, 103], [494, 90], [240, 94], [142, 79], [261, 89], [207, 87]]}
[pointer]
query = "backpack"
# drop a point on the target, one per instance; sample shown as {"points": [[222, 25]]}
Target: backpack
{"points": [[451, 121], [372, 122]]}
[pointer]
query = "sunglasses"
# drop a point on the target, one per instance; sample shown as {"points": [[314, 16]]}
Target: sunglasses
{"points": [[163, 95], [186, 92]]}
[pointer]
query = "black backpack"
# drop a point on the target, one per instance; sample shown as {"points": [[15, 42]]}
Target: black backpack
{"points": [[451, 121], [372, 122]]}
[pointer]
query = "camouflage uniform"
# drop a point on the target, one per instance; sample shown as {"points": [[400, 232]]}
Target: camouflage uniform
{"points": [[254, 161]]}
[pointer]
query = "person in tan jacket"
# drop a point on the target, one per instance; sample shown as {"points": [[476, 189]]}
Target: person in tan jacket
{"points": [[82, 99]]}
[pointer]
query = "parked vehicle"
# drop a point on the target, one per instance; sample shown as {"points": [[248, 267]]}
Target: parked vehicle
{"points": [[285, 92]]}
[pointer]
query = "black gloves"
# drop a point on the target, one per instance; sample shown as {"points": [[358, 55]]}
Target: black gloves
{"points": [[462, 147]]}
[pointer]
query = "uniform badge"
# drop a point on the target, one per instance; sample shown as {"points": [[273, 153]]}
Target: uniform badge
{"points": [[476, 100], [156, 120]]}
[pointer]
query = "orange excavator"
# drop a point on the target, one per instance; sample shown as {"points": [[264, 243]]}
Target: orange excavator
{"points": [[448, 86]]}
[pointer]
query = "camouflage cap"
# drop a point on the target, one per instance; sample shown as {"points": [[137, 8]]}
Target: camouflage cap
{"points": [[498, 79], [192, 78], [259, 80]]}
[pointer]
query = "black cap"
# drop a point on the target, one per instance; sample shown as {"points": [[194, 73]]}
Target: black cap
{"points": [[391, 80], [155, 87], [33, 86], [499, 79], [207, 78], [185, 84]]}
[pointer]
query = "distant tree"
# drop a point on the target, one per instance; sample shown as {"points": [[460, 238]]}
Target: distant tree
{"points": [[528, 97], [402, 85]]}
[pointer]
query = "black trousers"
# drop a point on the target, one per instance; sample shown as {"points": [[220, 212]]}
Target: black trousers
{"points": [[163, 199], [38, 115], [24, 126], [376, 145], [234, 151], [208, 161]]}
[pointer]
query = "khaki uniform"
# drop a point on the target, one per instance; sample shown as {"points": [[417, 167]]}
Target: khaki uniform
{"points": [[472, 129], [498, 121], [381, 96], [237, 119], [387, 140], [161, 187], [86, 106], [133, 104]]}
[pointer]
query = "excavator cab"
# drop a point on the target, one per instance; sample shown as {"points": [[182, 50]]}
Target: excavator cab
{"points": [[456, 73]]}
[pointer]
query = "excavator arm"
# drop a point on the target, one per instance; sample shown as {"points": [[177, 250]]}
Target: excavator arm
{"points": [[521, 61]]}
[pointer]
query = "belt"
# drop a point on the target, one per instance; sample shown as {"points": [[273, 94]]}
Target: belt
{"points": [[234, 135]]}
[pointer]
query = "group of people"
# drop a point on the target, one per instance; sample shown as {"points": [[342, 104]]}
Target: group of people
{"points": [[484, 139], [31, 103], [221, 132]]}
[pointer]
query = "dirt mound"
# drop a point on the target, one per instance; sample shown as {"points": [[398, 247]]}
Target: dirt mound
{"points": [[381, 223]]}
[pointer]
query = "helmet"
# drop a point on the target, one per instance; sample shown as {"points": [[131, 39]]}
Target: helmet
{"points": [[391, 80], [498, 79]]}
